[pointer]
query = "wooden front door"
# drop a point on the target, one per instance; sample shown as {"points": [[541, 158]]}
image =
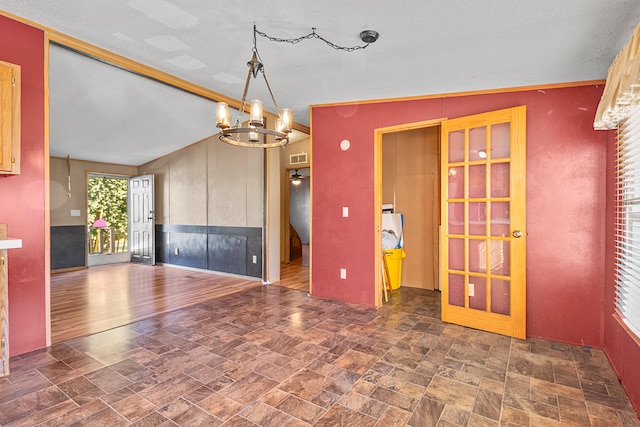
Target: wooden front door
{"points": [[483, 262]]}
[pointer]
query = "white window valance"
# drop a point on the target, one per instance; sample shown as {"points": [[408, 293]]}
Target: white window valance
{"points": [[622, 90]]}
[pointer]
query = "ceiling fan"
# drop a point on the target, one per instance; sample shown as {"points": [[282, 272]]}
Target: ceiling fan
{"points": [[296, 178]]}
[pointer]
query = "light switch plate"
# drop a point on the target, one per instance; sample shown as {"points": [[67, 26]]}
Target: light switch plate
{"points": [[345, 211], [75, 212], [343, 273]]}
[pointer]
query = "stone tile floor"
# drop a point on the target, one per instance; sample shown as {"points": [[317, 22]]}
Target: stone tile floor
{"points": [[273, 356]]}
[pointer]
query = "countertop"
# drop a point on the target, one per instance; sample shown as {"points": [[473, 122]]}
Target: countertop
{"points": [[10, 243]]}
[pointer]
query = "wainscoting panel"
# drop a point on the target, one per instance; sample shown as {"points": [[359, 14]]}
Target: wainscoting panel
{"points": [[68, 246], [224, 249], [188, 249], [228, 253], [254, 248]]}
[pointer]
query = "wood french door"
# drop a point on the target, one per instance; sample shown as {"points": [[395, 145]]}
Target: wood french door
{"points": [[483, 262], [142, 220]]}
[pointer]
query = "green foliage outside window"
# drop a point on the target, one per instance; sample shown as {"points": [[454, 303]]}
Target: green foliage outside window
{"points": [[107, 197]]}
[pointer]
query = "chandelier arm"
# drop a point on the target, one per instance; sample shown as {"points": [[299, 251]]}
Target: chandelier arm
{"points": [[246, 91], [273, 98]]}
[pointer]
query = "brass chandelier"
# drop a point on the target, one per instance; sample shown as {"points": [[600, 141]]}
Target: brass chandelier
{"points": [[254, 133]]}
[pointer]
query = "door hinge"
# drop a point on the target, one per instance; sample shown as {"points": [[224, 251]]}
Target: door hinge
{"points": [[1, 262], [13, 81], [13, 159]]}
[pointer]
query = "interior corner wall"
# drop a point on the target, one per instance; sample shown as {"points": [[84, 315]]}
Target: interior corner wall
{"points": [[22, 197], [565, 201]]}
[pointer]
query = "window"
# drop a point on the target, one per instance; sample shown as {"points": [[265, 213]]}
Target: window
{"points": [[628, 222]]}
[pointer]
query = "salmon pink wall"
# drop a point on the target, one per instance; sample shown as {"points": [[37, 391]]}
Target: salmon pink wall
{"points": [[566, 166], [22, 204]]}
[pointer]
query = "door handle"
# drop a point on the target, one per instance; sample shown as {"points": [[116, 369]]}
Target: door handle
{"points": [[517, 234]]}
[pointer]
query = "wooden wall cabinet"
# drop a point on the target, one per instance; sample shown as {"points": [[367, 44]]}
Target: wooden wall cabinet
{"points": [[9, 118]]}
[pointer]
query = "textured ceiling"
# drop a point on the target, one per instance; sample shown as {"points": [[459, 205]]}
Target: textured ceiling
{"points": [[425, 47]]}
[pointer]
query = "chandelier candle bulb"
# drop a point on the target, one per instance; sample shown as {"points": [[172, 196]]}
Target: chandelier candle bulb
{"points": [[286, 117], [223, 115], [254, 137], [256, 113]]}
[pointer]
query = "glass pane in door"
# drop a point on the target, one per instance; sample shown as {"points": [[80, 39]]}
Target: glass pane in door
{"points": [[500, 141], [478, 293], [456, 218], [456, 254], [456, 290], [456, 146], [477, 218], [477, 181], [500, 225], [478, 143], [499, 257], [477, 256], [456, 182], [500, 296], [500, 180]]}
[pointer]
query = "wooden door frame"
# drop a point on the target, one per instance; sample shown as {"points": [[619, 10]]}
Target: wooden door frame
{"points": [[377, 190]]}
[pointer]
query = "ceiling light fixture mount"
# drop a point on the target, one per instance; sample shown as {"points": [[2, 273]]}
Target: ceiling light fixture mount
{"points": [[254, 133], [369, 36]]}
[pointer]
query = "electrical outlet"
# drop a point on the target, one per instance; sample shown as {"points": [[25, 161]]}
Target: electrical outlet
{"points": [[472, 290], [345, 211], [75, 212], [343, 273], [255, 259]]}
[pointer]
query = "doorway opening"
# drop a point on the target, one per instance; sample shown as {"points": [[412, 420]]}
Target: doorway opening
{"points": [[407, 177], [410, 187], [297, 228], [107, 219], [299, 215]]}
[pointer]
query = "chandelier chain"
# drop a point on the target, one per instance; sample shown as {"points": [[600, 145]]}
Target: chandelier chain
{"points": [[311, 35], [273, 98]]}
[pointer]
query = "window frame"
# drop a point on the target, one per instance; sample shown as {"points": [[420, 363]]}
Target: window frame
{"points": [[627, 224]]}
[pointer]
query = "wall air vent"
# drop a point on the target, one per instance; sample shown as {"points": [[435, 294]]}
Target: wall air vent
{"points": [[298, 159]]}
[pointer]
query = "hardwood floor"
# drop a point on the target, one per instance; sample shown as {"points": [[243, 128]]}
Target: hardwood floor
{"points": [[104, 297], [294, 275], [100, 298]]}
